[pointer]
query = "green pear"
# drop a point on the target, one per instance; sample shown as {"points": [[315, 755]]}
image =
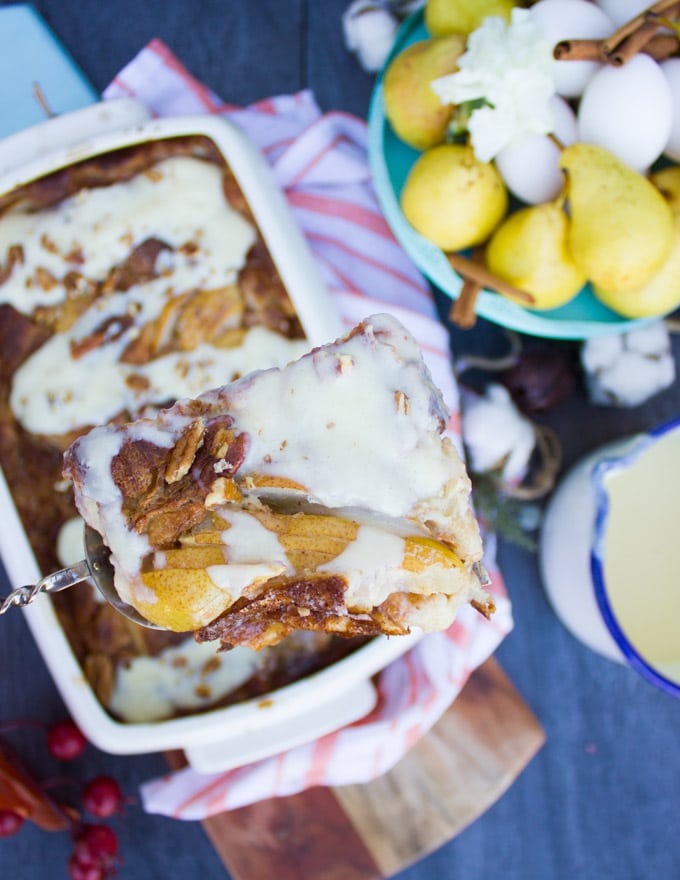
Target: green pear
{"points": [[621, 227], [529, 250], [463, 16], [661, 294], [412, 107], [452, 198]]}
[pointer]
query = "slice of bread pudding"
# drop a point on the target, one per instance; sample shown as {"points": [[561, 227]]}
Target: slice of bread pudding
{"points": [[322, 496]]}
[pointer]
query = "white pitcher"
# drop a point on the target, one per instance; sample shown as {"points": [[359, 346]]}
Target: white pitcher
{"points": [[610, 553]]}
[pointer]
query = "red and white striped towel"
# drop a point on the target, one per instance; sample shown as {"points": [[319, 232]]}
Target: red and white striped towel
{"points": [[320, 162]]}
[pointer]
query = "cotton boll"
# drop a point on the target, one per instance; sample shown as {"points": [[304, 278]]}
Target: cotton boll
{"points": [[652, 340], [530, 165], [572, 19], [601, 352], [621, 11], [497, 435], [671, 70], [627, 369], [369, 30], [628, 110]]}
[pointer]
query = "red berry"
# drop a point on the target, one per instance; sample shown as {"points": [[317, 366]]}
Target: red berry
{"points": [[10, 823], [78, 871], [102, 797], [95, 845], [65, 741]]}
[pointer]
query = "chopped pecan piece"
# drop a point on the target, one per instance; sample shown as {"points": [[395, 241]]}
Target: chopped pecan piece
{"points": [[165, 525], [109, 330], [15, 255], [184, 451], [46, 280], [140, 266], [133, 468]]}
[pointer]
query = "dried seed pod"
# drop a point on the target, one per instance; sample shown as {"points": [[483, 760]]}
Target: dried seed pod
{"points": [[540, 380]]}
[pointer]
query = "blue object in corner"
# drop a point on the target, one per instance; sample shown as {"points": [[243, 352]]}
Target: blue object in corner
{"points": [[30, 55]]}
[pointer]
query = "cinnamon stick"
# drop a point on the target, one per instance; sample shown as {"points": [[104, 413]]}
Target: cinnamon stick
{"points": [[662, 46], [658, 46], [462, 312], [578, 50], [633, 44], [474, 271], [612, 46], [640, 34]]}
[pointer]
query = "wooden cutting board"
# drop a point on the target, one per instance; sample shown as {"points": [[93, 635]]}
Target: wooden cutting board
{"points": [[373, 831]]}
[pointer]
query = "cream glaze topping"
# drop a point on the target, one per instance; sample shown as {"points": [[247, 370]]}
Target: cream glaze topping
{"points": [[357, 423], [180, 201], [54, 394], [373, 550]]}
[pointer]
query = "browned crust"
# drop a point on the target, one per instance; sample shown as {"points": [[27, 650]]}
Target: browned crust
{"points": [[314, 602]]}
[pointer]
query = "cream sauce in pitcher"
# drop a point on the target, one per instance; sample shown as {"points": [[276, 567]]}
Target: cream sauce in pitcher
{"points": [[610, 553]]}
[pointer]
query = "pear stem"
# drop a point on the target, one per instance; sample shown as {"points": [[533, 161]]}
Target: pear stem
{"points": [[42, 100], [558, 143]]}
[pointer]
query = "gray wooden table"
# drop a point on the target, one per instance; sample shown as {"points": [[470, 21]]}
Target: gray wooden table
{"points": [[602, 798]]}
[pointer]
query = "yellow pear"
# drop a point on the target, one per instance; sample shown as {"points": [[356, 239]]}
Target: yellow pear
{"points": [[463, 16], [667, 181], [185, 598], [621, 227], [529, 250], [413, 109], [452, 198], [661, 294]]}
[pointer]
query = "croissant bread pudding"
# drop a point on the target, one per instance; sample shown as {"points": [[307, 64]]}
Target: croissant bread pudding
{"points": [[130, 279], [323, 495]]}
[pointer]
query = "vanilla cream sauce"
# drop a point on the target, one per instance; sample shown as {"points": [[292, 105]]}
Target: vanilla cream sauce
{"points": [[642, 552], [190, 676]]}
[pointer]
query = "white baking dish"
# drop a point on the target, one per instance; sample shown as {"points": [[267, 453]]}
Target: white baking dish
{"points": [[302, 711]]}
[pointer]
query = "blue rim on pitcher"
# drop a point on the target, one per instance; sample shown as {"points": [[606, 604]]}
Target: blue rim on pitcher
{"points": [[600, 470]]}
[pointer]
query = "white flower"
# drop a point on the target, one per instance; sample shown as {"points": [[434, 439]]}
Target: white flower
{"points": [[497, 435], [627, 369], [510, 67], [369, 30]]}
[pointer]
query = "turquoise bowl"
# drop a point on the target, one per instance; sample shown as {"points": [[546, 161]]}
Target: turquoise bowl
{"points": [[391, 160]]}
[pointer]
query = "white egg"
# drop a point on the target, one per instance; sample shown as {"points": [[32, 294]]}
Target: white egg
{"points": [[671, 70], [621, 11], [530, 165], [577, 20], [628, 110]]}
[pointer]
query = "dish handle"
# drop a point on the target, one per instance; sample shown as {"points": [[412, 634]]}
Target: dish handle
{"points": [[246, 746], [69, 130]]}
